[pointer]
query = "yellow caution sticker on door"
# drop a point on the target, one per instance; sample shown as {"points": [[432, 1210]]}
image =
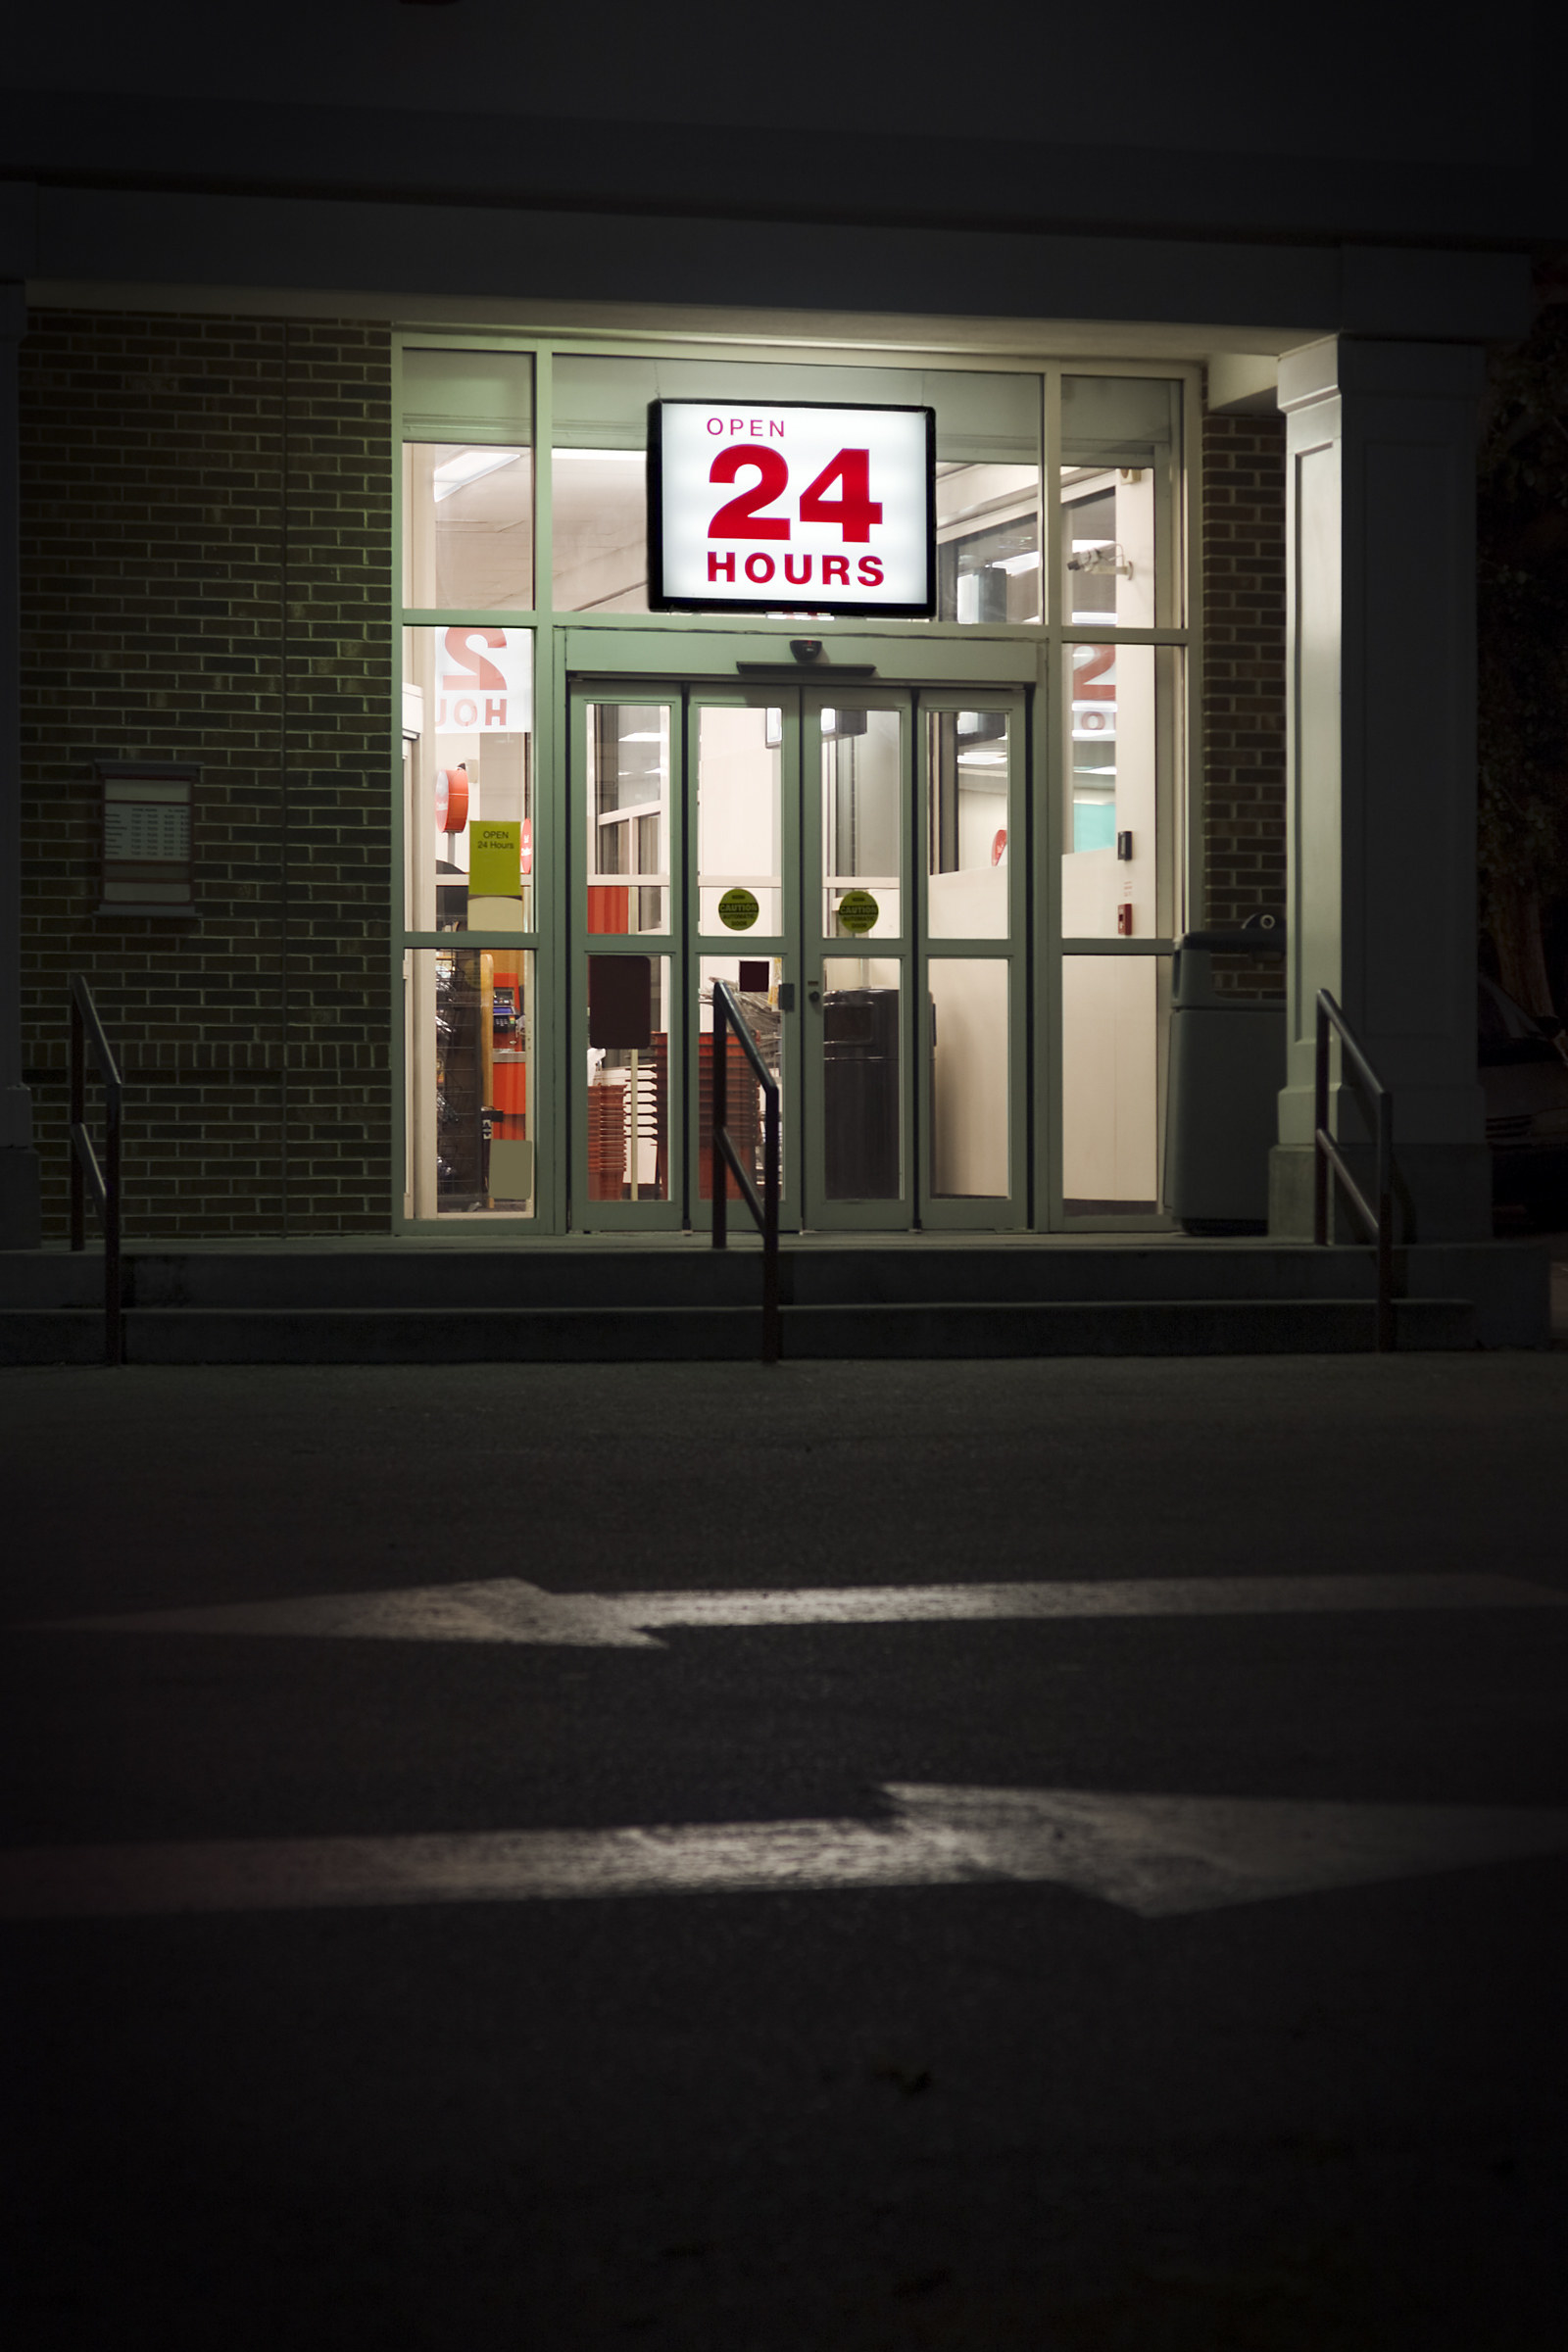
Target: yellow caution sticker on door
{"points": [[857, 911], [738, 909]]}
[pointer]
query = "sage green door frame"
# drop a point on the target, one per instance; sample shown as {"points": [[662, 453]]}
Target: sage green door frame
{"points": [[804, 941]]}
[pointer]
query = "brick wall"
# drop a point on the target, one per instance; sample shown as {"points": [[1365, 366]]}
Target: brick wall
{"points": [[206, 559], [1244, 672]]}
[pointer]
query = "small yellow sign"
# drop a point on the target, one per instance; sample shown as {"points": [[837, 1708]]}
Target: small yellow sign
{"points": [[495, 860], [857, 911], [738, 909]]}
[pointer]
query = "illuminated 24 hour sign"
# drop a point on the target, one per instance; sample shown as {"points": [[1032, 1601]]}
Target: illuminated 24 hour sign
{"points": [[803, 509]]}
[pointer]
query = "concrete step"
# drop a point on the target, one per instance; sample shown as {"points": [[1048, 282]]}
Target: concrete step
{"points": [[698, 1334]]}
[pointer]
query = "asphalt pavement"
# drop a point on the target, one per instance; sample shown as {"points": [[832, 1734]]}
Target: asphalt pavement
{"points": [[709, 2047]]}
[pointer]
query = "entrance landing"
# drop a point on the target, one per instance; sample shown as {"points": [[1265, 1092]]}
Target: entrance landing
{"points": [[374, 1298]]}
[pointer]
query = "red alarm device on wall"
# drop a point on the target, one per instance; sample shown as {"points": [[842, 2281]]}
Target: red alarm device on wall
{"points": [[451, 799]]}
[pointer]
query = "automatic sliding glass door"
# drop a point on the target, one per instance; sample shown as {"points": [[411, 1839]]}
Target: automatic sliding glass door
{"points": [[848, 862]]}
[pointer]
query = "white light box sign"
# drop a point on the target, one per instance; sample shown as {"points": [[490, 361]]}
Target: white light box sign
{"points": [[799, 508]]}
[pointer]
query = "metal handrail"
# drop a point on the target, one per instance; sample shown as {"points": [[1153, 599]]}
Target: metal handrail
{"points": [[87, 1029], [1378, 1221], [727, 1016]]}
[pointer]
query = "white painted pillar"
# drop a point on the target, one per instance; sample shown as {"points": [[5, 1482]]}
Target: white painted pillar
{"points": [[19, 1161], [1381, 442]]}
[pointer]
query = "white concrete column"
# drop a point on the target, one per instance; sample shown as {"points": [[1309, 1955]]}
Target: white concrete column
{"points": [[18, 1163], [1381, 442]]}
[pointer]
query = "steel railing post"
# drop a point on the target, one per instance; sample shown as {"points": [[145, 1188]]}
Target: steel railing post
{"points": [[719, 1091], [77, 1119], [1385, 1235], [111, 1300], [1320, 1127], [772, 1334]]}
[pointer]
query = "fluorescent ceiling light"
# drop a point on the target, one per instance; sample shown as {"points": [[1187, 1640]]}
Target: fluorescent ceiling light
{"points": [[601, 457], [468, 466], [656, 735], [982, 758], [1028, 561]]}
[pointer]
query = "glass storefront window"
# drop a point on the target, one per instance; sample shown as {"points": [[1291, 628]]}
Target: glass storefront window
{"points": [[862, 832], [468, 480], [468, 526], [627, 785], [967, 824], [988, 542], [467, 762], [1112, 1027], [970, 1064], [471, 1137], [988, 470], [756, 980], [628, 1077], [1118, 717], [862, 1078], [740, 768], [1120, 452]]}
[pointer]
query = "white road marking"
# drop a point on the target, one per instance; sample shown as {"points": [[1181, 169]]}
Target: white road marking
{"points": [[1159, 1856], [506, 1609]]}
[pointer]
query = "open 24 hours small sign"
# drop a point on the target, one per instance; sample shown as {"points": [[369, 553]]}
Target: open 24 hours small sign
{"points": [[798, 508]]}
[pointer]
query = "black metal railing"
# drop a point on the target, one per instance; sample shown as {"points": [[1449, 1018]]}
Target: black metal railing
{"points": [[727, 1016], [87, 1173], [1376, 1220]]}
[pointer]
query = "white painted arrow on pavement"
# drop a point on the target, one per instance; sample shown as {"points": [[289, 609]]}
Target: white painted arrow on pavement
{"points": [[1156, 1855], [504, 1608]]}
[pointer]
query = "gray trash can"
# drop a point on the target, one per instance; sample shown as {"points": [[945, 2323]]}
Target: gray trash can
{"points": [[1227, 1066]]}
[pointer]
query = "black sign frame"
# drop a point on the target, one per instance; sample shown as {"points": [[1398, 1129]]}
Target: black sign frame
{"points": [[817, 606]]}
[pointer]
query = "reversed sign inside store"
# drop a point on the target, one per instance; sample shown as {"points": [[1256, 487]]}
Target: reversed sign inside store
{"points": [[803, 509], [483, 682]]}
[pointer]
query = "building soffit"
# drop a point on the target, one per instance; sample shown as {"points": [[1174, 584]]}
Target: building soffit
{"points": [[1032, 295]]}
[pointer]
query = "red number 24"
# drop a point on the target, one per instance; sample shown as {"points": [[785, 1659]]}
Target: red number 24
{"points": [[855, 510]]}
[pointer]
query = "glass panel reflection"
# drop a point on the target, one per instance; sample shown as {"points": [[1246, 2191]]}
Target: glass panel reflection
{"points": [[629, 817], [1111, 1054], [628, 1078], [471, 1096], [968, 1076], [740, 764], [467, 744], [756, 981], [468, 526], [988, 542], [1118, 712], [967, 824], [863, 843], [861, 1084], [1120, 440]]}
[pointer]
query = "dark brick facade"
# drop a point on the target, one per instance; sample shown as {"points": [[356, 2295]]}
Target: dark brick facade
{"points": [[206, 570], [1243, 668]]}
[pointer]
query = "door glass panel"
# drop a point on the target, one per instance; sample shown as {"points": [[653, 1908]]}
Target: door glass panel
{"points": [[861, 1088], [468, 526], [471, 1092], [1119, 702], [1111, 1022], [1120, 442], [756, 981], [968, 1076], [629, 817], [739, 766], [967, 824], [862, 832], [467, 731], [628, 1078]]}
